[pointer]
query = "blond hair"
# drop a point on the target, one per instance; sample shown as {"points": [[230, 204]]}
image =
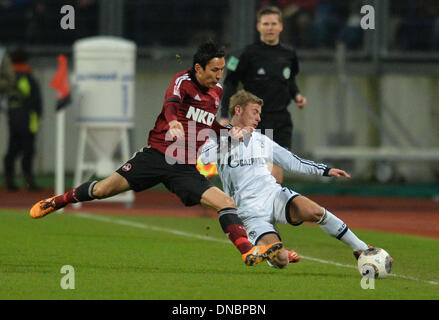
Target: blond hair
{"points": [[268, 10], [243, 98]]}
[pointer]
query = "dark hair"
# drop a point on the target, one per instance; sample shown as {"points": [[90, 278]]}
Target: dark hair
{"points": [[206, 52], [19, 55]]}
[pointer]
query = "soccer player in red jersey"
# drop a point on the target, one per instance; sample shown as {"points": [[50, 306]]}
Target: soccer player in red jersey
{"points": [[188, 117]]}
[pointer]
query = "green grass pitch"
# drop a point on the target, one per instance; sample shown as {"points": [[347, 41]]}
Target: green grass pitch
{"points": [[145, 257]]}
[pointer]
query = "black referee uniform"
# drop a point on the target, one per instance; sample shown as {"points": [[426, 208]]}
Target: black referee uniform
{"points": [[268, 72]]}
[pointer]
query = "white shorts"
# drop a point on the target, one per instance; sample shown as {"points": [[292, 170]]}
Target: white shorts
{"points": [[258, 226]]}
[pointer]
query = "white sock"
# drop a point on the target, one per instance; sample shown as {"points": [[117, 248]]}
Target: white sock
{"points": [[335, 227]]}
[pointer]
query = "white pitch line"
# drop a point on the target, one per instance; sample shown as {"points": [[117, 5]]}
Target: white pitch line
{"points": [[146, 227], [140, 225]]}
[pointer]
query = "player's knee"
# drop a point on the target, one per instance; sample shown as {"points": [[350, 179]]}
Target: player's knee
{"points": [[317, 213], [311, 213], [101, 191]]}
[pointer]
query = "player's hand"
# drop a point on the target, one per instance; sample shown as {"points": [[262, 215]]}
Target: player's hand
{"points": [[240, 134], [246, 131], [176, 130], [224, 122], [301, 101], [338, 173]]}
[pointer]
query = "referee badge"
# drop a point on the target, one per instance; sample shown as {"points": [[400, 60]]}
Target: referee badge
{"points": [[287, 72], [232, 64], [126, 167]]}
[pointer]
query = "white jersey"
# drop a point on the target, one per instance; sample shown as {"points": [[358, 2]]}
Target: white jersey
{"points": [[242, 167]]}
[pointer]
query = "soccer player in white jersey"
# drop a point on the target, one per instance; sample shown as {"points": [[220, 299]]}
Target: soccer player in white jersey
{"points": [[261, 201]]}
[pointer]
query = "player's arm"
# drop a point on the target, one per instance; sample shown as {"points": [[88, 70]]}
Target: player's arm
{"points": [[209, 152], [173, 100], [291, 162], [333, 172], [176, 130], [235, 133], [219, 128], [170, 109]]}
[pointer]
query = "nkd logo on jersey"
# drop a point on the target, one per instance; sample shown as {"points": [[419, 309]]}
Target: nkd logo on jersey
{"points": [[200, 116]]}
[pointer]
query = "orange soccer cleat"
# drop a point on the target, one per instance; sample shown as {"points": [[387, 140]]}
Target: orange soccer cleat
{"points": [[293, 256], [42, 208], [261, 253]]}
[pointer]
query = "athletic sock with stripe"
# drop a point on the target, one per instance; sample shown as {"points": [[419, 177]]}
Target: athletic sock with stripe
{"points": [[82, 193], [234, 229], [335, 227]]}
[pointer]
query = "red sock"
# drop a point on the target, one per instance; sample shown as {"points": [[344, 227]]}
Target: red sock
{"points": [[238, 235], [64, 199], [82, 193], [234, 229]]}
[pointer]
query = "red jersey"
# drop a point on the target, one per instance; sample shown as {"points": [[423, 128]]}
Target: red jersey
{"points": [[195, 107]]}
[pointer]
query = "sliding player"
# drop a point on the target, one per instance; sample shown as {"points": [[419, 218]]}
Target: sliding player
{"points": [[262, 203]]}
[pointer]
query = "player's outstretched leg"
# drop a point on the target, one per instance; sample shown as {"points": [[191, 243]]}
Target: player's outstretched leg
{"points": [[335, 227], [304, 209], [82, 193], [234, 228], [87, 191]]}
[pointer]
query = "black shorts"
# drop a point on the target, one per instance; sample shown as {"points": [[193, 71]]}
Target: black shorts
{"points": [[148, 168], [282, 127]]}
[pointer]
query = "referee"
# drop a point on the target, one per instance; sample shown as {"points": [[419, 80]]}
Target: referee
{"points": [[268, 70]]}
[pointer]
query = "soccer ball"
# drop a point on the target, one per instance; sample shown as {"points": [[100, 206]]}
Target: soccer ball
{"points": [[375, 263]]}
